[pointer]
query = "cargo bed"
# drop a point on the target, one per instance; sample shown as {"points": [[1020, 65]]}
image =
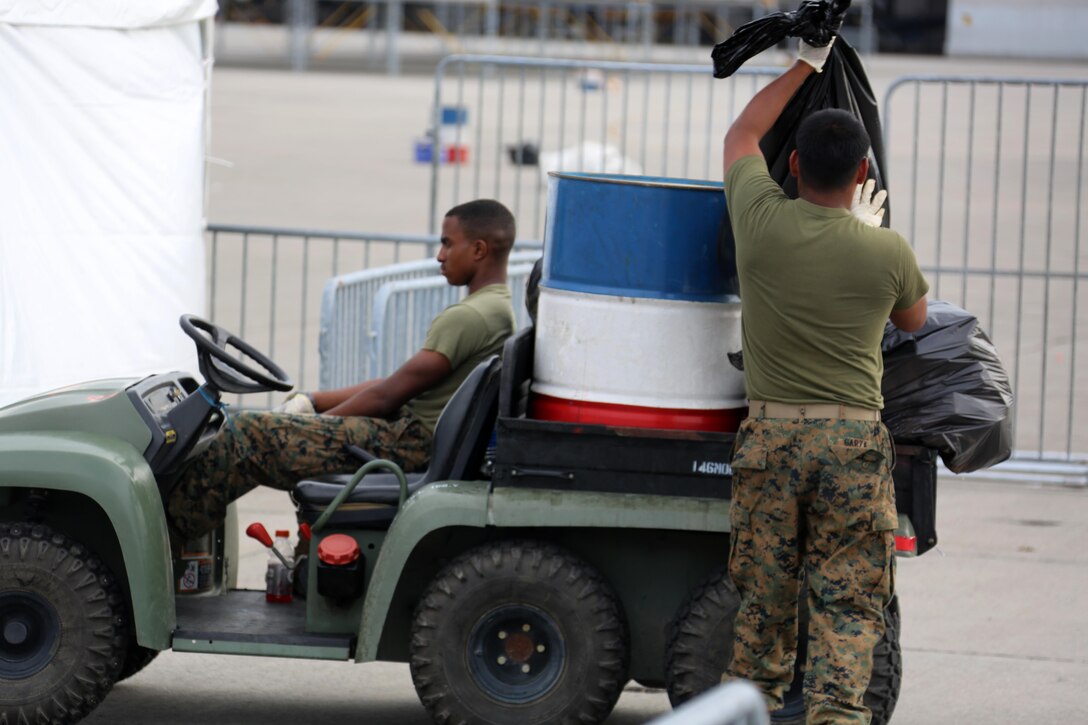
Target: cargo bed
{"points": [[554, 455]]}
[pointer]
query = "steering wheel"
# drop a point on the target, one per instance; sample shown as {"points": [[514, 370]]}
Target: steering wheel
{"points": [[227, 372]]}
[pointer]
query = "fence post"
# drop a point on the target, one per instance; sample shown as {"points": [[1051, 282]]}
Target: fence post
{"points": [[301, 18], [393, 19]]}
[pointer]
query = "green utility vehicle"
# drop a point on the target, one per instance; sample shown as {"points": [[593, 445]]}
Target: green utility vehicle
{"points": [[532, 571]]}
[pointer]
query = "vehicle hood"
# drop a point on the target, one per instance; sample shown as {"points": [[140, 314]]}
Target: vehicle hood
{"points": [[100, 406]]}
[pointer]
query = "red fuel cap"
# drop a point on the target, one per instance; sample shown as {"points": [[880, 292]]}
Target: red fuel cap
{"points": [[337, 550]]}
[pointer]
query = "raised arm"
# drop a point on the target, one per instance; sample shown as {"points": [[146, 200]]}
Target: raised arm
{"points": [[763, 110]]}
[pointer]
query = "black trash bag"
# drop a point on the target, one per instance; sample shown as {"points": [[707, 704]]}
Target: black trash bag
{"points": [[945, 387], [842, 84], [816, 21]]}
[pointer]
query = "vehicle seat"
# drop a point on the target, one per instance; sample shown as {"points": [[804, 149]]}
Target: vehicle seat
{"points": [[517, 373], [460, 441]]}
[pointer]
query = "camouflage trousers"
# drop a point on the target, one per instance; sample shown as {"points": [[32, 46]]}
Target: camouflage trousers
{"points": [[813, 496], [279, 450]]}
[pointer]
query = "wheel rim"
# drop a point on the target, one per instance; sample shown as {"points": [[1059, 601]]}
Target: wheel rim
{"points": [[516, 654], [29, 630]]}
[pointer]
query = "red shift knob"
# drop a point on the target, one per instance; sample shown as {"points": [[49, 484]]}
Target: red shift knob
{"points": [[260, 533]]}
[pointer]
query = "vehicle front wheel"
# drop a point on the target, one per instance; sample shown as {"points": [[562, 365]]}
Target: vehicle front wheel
{"points": [[62, 627], [136, 658], [519, 631]]}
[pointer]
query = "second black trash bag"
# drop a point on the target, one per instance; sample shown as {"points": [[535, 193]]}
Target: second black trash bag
{"points": [[944, 387]]}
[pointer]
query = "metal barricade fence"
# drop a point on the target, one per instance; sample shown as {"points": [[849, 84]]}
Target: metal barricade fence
{"points": [[347, 320], [986, 175], [642, 118], [987, 182], [351, 312], [403, 311], [264, 284]]}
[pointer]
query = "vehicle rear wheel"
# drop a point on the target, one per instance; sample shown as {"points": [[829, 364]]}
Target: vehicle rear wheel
{"points": [[519, 631], [700, 645], [883, 692], [700, 638], [62, 626]]}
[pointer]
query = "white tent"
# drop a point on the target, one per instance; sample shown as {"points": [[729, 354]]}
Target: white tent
{"points": [[103, 129]]}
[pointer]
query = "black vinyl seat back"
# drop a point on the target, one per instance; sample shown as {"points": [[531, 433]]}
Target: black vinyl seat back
{"points": [[517, 374], [465, 426]]}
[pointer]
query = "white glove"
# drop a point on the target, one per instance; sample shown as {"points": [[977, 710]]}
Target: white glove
{"points": [[297, 404], [867, 207], [815, 57]]}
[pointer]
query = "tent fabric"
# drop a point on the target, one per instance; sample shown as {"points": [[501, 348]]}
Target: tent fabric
{"points": [[105, 13], [101, 193]]}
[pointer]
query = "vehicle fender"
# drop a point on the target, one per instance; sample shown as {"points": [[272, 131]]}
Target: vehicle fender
{"points": [[437, 506], [115, 476], [471, 504]]}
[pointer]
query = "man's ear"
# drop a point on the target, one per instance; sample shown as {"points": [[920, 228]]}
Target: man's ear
{"points": [[795, 167], [863, 171], [479, 249]]}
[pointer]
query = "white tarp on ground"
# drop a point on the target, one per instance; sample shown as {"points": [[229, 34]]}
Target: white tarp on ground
{"points": [[102, 141]]}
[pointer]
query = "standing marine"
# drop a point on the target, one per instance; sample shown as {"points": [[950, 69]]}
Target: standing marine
{"points": [[813, 501]]}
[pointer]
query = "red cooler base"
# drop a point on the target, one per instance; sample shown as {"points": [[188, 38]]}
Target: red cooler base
{"points": [[545, 407]]}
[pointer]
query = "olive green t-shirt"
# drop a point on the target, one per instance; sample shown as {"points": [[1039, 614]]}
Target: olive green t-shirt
{"points": [[816, 288], [466, 333]]}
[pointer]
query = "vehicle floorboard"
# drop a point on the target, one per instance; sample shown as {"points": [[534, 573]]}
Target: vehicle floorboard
{"points": [[244, 616]]}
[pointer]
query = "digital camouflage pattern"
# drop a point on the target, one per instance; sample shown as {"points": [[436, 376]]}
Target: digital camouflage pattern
{"points": [[279, 450], [814, 496]]}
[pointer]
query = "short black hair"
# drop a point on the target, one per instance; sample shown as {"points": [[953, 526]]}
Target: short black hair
{"points": [[830, 145], [489, 220]]}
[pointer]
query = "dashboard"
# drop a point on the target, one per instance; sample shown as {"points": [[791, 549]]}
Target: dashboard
{"points": [[182, 424], [163, 396]]}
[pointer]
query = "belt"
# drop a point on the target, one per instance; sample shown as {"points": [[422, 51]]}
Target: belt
{"points": [[770, 409]]}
